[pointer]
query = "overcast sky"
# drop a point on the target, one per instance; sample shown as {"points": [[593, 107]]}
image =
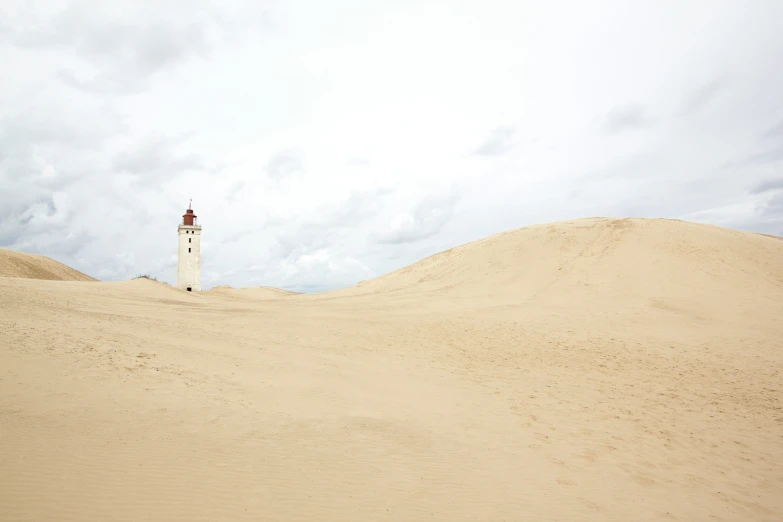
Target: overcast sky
{"points": [[325, 143]]}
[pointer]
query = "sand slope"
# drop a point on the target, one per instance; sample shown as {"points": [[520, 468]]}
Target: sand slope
{"points": [[594, 258], [255, 292], [32, 266], [589, 370]]}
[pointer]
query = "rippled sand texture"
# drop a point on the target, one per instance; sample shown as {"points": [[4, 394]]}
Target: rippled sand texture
{"points": [[596, 369]]}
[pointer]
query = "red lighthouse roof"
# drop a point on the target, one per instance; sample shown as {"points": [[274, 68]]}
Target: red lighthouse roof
{"points": [[188, 217]]}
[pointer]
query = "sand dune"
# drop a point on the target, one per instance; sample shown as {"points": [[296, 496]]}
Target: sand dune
{"points": [[629, 257], [595, 369], [255, 292], [32, 266]]}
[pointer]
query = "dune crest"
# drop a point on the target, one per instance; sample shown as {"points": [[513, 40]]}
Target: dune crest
{"points": [[252, 292], [33, 266], [642, 257]]}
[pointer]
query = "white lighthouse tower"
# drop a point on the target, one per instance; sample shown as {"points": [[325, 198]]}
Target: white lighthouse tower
{"points": [[189, 254]]}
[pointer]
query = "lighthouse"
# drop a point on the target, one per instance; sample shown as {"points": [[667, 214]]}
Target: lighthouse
{"points": [[189, 254]]}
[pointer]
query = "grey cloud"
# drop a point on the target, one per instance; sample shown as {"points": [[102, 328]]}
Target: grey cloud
{"points": [[9, 235], [774, 207], [298, 236], [23, 186], [22, 218], [60, 125], [157, 267], [296, 239], [63, 195], [658, 182], [46, 151], [67, 247], [332, 223], [235, 236], [284, 164], [773, 155], [770, 155], [427, 219], [317, 272], [40, 221], [498, 143], [235, 189], [104, 84], [154, 159], [701, 97], [768, 185], [358, 162], [770, 217], [774, 131], [313, 253], [359, 205], [626, 117], [126, 42]]}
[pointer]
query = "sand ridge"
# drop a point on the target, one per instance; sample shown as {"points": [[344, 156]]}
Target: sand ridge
{"points": [[594, 369], [33, 266], [254, 292]]}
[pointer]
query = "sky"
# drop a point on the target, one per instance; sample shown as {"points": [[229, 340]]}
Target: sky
{"points": [[327, 143]]}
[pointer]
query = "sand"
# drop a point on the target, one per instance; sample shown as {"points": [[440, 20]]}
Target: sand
{"points": [[255, 292], [596, 369], [32, 266]]}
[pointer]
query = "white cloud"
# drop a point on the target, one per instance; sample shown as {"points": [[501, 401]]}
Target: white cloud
{"points": [[423, 221], [325, 142]]}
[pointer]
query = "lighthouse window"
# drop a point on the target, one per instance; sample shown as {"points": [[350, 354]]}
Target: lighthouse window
{"points": [[188, 250], [190, 240]]}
